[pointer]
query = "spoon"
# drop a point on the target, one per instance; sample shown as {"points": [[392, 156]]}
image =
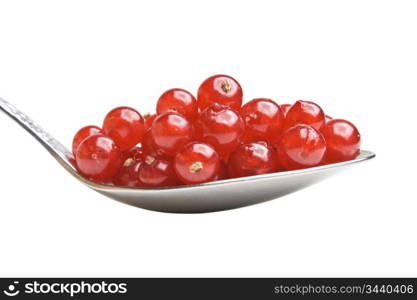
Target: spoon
{"points": [[208, 197]]}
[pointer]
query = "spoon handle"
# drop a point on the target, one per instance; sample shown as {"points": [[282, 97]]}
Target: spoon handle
{"points": [[58, 151]]}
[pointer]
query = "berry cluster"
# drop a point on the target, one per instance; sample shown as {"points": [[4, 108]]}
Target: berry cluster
{"points": [[213, 137]]}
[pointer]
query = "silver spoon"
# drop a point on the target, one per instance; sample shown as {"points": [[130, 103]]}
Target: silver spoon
{"points": [[208, 197]]}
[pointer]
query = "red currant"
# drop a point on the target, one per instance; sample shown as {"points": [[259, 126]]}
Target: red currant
{"points": [[180, 101], [301, 147], [220, 89], [84, 133], [98, 158], [285, 108], [149, 120], [343, 140], [304, 112], [263, 120], [221, 127], [125, 126], [252, 159], [170, 132], [197, 163], [157, 172], [128, 175]]}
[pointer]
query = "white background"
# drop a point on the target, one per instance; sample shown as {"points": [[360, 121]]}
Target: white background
{"points": [[66, 63]]}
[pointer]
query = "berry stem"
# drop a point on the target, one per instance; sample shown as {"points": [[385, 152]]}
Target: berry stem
{"points": [[226, 86], [196, 167], [128, 162], [149, 160]]}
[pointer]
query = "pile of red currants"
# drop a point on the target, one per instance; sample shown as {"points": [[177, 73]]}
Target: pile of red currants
{"points": [[213, 137]]}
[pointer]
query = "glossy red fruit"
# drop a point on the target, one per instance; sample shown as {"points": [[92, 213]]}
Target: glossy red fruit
{"points": [[125, 126], [252, 159], [180, 101], [285, 108], [304, 112], [301, 147], [84, 133], [263, 120], [157, 172], [197, 163], [98, 158], [343, 140], [220, 127], [128, 174], [171, 131], [221, 89], [149, 120]]}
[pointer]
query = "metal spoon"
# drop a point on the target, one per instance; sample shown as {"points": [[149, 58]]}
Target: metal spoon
{"points": [[208, 197]]}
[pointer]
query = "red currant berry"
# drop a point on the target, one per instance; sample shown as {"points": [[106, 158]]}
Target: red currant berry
{"points": [[252, 159], [125, 126], [170, 132], [304, 112], [343, 140], [180, 101], [220, 89], [128, 175], [197, 163], [301, 147], [157, 172], [98, 158], [221, 127], [149, 120], [84, 133], [263, 120]]}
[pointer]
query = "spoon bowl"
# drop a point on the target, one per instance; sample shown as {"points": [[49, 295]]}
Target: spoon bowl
{"points": [[208, 197]]}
